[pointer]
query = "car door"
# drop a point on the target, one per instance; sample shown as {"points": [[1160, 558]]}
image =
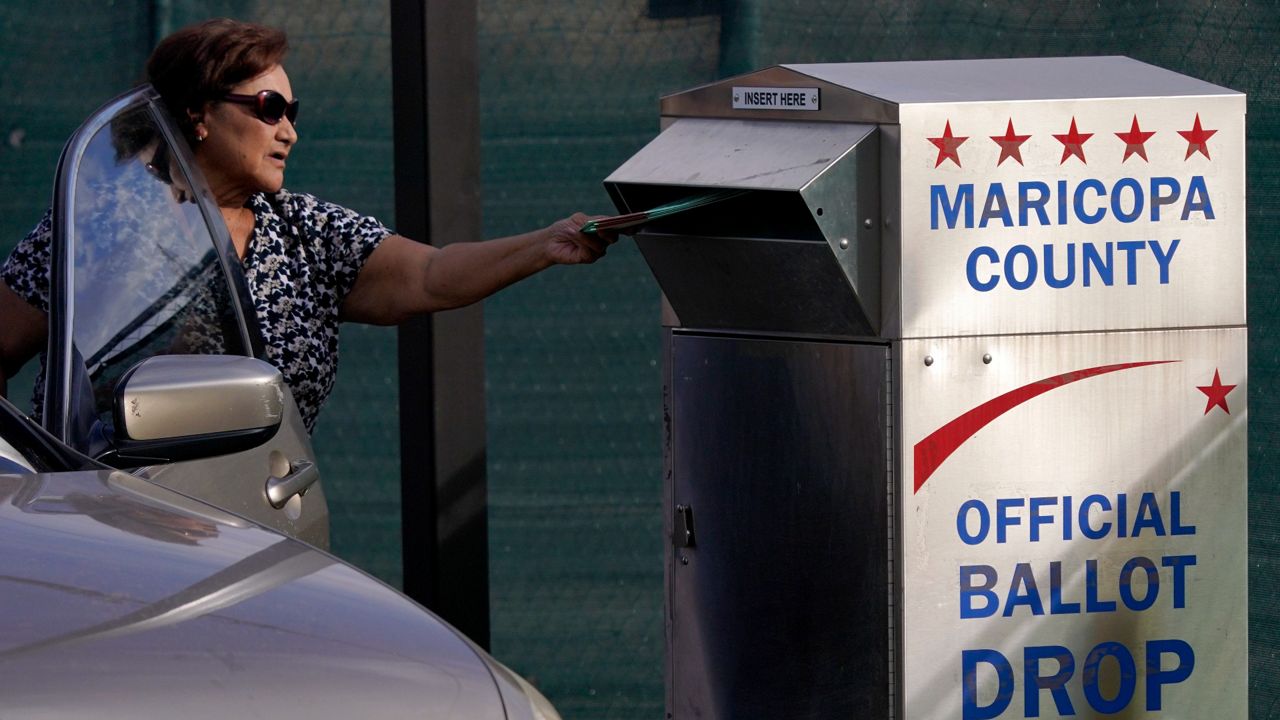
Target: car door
{"points": [[143, 266]]}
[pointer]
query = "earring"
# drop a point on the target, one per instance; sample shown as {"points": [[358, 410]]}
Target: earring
{"points": [[200, 135]]}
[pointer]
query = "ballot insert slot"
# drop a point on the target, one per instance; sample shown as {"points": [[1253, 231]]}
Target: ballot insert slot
{"points": [[795, 249], [756, 262], [751, 215]]}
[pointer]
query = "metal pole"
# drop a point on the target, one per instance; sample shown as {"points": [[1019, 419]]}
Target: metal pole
{"points": [[435, 82]]}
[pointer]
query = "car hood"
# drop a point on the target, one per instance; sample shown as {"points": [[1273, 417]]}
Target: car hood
{"points": [[122, 599]]}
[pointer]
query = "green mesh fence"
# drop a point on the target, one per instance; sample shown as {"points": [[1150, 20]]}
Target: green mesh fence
{"points": [[568, 91], [36, 117]]}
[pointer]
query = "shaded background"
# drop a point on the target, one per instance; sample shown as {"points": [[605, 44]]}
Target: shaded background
{"points": [[569, 90]]}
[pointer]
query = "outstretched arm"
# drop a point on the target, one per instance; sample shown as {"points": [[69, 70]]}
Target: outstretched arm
{"points": [[404, 278]]}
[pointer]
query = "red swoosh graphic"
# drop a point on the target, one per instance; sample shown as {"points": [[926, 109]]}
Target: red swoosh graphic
{"points": [[933, 450]]}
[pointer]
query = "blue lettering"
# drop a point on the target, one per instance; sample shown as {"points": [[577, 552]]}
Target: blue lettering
{"points": [[1049, 277], [1130, 248], [1056, 684], [1163, 259], [1179, 563], [1117, 207], [1010, 267], [1023, 591], [971, 269], [1091, 602], [1021, 264], [1126, 584], [1056, 606], [1128, 677], [1175, 516], [1089, 201], [1121, 684], [1157, 678], [1026, 202], [969, 660], [1138, 585], [1003, 519], [1066, 517], [1037, 519], [984, 522], [969, 592], [996, 206], [1100, 190], [1159, 199], [1094, 261], [1148, 516], [1197, 199], [951, 210], [1086, 528], [1097, 516], [1122, 515]]}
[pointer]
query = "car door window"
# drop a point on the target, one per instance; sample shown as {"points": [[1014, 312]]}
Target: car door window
{"points": [[143, 266], [144, 273]]}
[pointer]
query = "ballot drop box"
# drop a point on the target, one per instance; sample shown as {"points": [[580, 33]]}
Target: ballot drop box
{"points": [[955, 390]]}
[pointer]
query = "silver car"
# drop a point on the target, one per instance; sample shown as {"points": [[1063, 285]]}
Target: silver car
{"points": [[163, 526]]}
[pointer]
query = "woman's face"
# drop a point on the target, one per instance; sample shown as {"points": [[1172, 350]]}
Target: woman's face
{"points": [[241, 154]]}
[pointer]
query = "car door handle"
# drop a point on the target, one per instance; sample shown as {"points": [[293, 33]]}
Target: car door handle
{"points": [[302, 475]]}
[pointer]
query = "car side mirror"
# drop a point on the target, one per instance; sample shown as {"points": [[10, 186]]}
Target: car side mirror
{"points": [[181, 407]]}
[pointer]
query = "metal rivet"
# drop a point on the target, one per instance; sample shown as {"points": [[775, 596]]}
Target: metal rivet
{"points": [[928, 360], [888, 222], [844, 243], [16, 137], [684, 559], [868, 224], [986, 358]]}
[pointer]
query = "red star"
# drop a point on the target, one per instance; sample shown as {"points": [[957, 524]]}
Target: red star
{"points": [[1073, 143], [1197, 139], [1135, 140], [948, 146], [1217, 394], [1010, 144]]}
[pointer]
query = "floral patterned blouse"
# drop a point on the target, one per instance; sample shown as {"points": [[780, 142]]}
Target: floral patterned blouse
{"points": [[302, 260]]}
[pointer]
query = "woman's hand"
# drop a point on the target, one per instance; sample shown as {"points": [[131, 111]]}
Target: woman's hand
{"points": [[568, 245]]}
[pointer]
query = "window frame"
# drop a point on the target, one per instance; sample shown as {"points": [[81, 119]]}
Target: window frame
{"points": [[58, 395]]}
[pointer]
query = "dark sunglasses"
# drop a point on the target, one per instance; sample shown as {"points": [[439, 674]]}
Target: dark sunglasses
{"points": [[268, 105]]}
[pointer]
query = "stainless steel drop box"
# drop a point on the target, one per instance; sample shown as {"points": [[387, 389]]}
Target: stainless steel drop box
{"points": [[955, 393]]}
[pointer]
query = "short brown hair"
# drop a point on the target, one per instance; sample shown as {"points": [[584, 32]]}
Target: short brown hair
{"points": [[200, 63]]}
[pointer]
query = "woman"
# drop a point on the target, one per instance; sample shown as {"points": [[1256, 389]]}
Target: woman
{"points": [[309, 264]]}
